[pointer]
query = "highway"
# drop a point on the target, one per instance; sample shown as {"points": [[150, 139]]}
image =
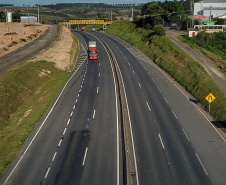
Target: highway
{"points": [[78, 140], [81, 141]]}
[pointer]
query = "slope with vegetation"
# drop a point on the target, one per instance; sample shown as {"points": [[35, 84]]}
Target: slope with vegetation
{"points": [[26, 91], [176, 62], [213, 45]]}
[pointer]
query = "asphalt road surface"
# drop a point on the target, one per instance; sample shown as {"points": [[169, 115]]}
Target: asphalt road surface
{"points": [[79, 141], [174, 142], [31, 49], [218, 76]]}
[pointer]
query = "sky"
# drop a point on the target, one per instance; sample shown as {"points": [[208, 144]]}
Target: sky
{"points": [[47, 2]]}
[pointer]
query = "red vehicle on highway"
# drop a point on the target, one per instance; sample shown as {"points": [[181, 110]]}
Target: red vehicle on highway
{"points": [[93, 54]]}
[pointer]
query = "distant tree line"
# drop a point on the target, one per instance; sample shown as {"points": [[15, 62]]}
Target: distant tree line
{"points": [[92, 6]]}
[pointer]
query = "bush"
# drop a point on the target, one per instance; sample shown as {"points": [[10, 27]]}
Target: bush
{"points": [[12, 43], [11, 33], [23, 40], [159, 30]]}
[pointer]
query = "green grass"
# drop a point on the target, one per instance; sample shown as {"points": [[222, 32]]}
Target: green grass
{"points": [[176, 62], [26, 91], [214, 50]]}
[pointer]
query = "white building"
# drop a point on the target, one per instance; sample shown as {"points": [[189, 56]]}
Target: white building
{"points": [[28, 19], [216, 7]]}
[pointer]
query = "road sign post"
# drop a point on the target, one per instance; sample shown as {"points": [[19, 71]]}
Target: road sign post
{"points": [[210, 98]]}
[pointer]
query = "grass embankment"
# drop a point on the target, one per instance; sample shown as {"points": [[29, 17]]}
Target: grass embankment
{"points": [[176, 62], [26, 91], [213, 45]]}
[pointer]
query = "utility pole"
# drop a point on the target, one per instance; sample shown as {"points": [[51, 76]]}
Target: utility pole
{"points": [[7, 24], [28, 12], [38, 13], [210, 15], [132, 15], [192, 12]]}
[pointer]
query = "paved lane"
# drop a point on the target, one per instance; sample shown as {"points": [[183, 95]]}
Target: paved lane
{"points": [[169, 143], [77, 142], [29, 50]]}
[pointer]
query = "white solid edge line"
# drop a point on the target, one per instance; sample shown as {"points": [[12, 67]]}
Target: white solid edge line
{"points": [[195, 106], [44, 121]]}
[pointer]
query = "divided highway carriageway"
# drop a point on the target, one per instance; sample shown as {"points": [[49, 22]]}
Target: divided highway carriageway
{"points": [[120, 120]]}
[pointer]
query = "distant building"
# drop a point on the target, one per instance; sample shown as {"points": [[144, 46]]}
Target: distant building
{"points": [[216, 7], [28, 19]]}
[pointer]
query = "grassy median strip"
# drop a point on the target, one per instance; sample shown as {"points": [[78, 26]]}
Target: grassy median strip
{"points": [[176, 62]]}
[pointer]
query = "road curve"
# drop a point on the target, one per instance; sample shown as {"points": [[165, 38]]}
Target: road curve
{"points": [[29, 50], [218, 76], [174, 142], [78, 142]]}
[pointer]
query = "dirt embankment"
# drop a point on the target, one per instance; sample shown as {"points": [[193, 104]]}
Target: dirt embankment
{"points": [[59, 52], [20, 34], [16, 35]]}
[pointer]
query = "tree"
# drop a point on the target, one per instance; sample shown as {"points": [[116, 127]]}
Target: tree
{"points": [[152, 12], [175, 11], [16, 15], [154, 8], [159, 30], [2, 16], [218, 21]]}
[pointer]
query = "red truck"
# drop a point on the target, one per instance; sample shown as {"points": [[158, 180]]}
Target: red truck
{"points": [[93, 55]]}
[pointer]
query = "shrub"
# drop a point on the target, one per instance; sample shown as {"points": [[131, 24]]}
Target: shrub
{"points": [[23, 40], [159, 30], [12, 43], [11, 33]]}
